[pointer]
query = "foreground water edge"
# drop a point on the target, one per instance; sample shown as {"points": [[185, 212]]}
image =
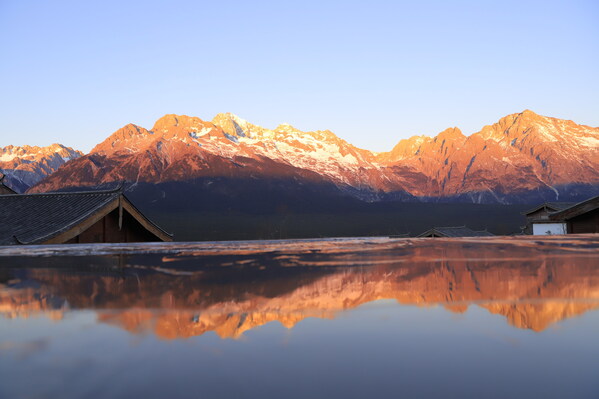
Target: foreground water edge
{"points": [[355, 317]]}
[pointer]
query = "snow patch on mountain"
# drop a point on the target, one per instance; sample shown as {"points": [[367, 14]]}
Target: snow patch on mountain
{"points": [[7, 157], [592, 142]]}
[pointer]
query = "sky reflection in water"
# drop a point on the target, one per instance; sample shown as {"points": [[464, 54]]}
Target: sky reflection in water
{"points": [[501, 318]]}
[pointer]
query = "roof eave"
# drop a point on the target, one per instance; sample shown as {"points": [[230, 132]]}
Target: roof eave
{"points": [[145, 221], [581, 208]]}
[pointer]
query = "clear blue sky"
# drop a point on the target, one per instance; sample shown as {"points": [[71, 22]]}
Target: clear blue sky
{"points": [[373, 72]]}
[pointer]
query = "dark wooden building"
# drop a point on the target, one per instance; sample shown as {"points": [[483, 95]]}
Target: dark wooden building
{"points": [[540, 215], [78, 217], [460, 231], [581, 218]]}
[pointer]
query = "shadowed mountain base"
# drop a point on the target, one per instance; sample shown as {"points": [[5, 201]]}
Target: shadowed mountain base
{"points": [[238, 209]]}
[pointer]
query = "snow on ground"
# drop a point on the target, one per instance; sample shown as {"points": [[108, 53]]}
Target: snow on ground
{"points": [[587, 141]]}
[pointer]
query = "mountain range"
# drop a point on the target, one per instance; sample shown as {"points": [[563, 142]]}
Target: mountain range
{"points": [[522, 158], [25, 166]]}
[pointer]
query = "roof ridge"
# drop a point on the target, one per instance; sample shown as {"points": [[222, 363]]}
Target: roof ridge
{"points": [[118, 189], [585, 201], [555, 215]]}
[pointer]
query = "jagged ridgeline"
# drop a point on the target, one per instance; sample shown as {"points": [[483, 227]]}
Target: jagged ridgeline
{"points": [[185, 164], [25, 166], [524, 157]]}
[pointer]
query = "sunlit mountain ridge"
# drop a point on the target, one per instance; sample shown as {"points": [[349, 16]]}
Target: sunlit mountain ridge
{"points": [[24, 166], [523, 157]]}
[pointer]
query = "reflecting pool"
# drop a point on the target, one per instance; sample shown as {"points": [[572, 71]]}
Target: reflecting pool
{"points": [[353, 318]]}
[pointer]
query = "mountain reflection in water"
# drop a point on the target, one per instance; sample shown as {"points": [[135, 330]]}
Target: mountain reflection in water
{"points": [[532, 283]]}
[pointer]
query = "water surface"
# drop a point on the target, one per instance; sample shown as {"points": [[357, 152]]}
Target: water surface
{"points": [[493, 318]]}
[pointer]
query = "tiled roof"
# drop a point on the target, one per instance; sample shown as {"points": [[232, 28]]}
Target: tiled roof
{"points": [[576, 209], [560, 205], [36, 218], [460, 231], [555, 206]]}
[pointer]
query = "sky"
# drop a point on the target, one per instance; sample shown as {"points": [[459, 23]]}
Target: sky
{"points": [[373, 72]]}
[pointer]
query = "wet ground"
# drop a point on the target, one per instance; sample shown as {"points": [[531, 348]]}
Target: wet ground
{"points": [[353, 318]]}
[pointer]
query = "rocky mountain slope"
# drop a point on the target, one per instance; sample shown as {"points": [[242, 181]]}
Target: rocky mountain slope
{"points": [[25, 166], [520, 153], [523, 157]]}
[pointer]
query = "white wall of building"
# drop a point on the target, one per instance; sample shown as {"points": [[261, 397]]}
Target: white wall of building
{"points": [[546, 229]]}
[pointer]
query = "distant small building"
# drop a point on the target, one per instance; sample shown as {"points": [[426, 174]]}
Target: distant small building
{"points": [[578, 218], [460, 231], [77, 217], [4, 189], [402, 235], [539, 216]]}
